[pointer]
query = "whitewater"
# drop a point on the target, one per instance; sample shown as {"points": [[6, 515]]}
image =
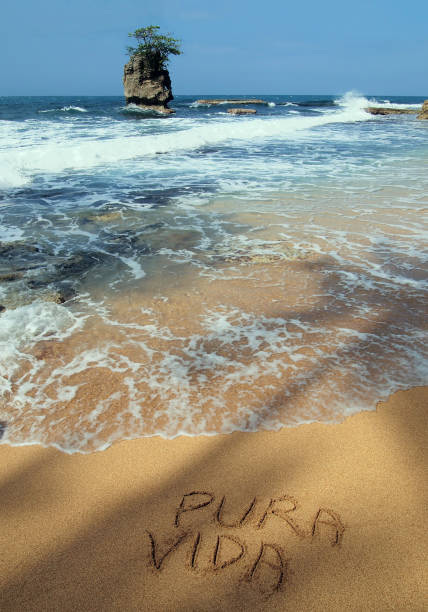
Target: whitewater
{"points": [[205, 273]]}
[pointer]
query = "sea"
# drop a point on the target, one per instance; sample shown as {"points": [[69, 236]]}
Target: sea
{"points": [[205, 273]]}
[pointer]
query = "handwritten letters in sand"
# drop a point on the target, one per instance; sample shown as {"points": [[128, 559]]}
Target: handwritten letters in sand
{"points": [[201, 523]]}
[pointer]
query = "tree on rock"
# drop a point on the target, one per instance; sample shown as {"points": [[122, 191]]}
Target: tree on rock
{"points": [[146, 79], [155, 48]]}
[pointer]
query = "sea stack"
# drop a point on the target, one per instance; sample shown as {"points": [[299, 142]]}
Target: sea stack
{"points": [[424, 112], [146, 87]]}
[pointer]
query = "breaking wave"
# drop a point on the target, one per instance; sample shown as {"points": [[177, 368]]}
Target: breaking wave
{"points": [[65, 109], [85, 152]]}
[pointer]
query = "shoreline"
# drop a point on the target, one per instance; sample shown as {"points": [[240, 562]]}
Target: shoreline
{"points": [[342, 419], [318, 516]]}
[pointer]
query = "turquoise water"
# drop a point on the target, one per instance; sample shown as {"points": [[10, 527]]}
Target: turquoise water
{"points": [[203, 273]]}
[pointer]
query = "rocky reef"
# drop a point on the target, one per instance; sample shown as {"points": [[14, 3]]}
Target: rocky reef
{"points": [[146, 87], [242, 111], [424, 112], [381, 110]]}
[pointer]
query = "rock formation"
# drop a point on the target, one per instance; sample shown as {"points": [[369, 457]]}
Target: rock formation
{"points": [[242, 111], [381, 110], [424, 112], [145, 87]]}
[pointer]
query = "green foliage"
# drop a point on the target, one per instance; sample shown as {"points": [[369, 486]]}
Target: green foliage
{"points": [[154, 47]]}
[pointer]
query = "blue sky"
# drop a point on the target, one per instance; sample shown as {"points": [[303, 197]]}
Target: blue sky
{"points": [[77, 47]]}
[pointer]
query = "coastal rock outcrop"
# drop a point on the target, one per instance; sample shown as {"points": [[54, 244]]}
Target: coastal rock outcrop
{"points": [[424, 112], [242, 111], [146, 87], [381, 110]]}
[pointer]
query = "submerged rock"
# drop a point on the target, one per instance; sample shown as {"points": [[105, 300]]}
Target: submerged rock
{"points": [[79, 264], [57, 297], [242, 111], [16, 258], [146, 87], [10, 250], [257, 258], [10, 277], [56, 278], [424, 112], [105, 217], [380, 110]]}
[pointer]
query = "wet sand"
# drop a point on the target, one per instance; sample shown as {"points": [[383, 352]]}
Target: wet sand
{"points": [[262, 343], [316, 517]]}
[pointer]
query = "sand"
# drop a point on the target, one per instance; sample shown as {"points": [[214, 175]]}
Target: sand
{"points": [[317, 517]]}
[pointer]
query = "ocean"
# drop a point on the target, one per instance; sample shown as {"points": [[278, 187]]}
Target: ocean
{"points": [[204, 273]]}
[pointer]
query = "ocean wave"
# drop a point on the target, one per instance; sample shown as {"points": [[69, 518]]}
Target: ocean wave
{"points": [[352, 100], [388, 104], [12, 176], [137, 110], [316, 103], [356, 98], [65, 109], [82, 153], [27, 325]]}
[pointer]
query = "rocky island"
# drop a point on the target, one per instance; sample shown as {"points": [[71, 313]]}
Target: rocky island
{"points": [[147, 88], [146, 80]]}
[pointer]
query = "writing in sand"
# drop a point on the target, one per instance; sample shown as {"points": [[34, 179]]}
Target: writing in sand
{"points": [[268, 569]]}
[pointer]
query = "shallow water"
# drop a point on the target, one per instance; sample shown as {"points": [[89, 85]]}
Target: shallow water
{"points": [[206, 273]]}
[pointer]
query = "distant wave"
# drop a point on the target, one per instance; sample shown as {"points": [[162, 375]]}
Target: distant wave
{"points": [[317, 103], [197, 104], [133, 109], [388, 104], [65, 109], [352, 96], [225, 102]]}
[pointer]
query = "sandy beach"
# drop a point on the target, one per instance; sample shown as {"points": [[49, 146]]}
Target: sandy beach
{"points": [[316, 517], [213, 308]]}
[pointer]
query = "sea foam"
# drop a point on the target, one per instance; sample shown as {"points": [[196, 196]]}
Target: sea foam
{"points": [[42, 157]]}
